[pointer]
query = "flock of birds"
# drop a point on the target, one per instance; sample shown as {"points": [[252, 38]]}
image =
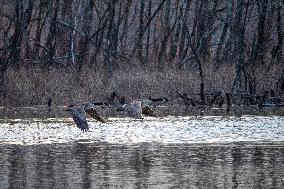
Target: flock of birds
{"points": [[134, 109], [137, 108]]}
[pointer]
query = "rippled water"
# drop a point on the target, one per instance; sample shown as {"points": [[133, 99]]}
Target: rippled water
{"points": [[143, 165], [165, 130], [172, 152]]}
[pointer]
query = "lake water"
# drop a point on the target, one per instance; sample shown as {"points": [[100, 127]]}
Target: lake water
{"points": [[172, 152]]}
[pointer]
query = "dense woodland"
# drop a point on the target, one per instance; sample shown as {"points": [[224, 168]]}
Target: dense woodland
{"points": [[75, 50]]}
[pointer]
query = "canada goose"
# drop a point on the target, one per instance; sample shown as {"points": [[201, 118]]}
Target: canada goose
{"points": [[79, 114], [133, 109], [89, 108], [146, 110], [145, 104], [162, 99], [79, 117], [124, 100], [100, 103]]}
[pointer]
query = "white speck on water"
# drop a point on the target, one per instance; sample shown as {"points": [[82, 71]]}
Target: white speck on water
{"points": [[207, 129]]}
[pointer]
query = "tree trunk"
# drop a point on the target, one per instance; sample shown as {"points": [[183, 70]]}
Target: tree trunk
{"points": [[3, 89], [276, 54], [184, 32], [84, 40], [51, 38], [148, 31], [166, 32], [238, 51], [141, 32], [176, 35], [229, 16]]}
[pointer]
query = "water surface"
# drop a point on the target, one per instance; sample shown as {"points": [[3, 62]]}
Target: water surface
{"points": [[173, 152], [208, 129], [144, 165]]}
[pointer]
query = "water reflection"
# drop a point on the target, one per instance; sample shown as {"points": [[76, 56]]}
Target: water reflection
{"points": [[144, 165]]}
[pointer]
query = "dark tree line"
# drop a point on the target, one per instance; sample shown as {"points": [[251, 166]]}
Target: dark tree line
{"points": [[165, 34]]}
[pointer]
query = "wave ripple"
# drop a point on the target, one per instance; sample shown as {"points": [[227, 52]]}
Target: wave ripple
{"points": [[208, 129]]}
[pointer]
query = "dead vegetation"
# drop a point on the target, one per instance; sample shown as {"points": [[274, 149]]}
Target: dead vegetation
{"points": [[60, 52], [30, 87]]}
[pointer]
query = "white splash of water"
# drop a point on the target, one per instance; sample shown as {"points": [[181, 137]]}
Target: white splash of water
{"points": [[207, 129]]}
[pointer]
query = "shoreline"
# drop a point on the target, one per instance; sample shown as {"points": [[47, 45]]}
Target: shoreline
{"points": [[43, 111]]}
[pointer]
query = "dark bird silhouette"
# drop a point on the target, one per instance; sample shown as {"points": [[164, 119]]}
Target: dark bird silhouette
{"points": [[162, 99], [150, 101], [100, 103], [79, 117]]}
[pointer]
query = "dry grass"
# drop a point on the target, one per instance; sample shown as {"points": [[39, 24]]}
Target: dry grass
{"points": [[28, 87]]}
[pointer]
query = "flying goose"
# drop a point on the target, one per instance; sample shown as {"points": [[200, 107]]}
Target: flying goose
{"points": [[145, 104], [79, 117], [133, 109], [79, 114], [162, 99], [89, 108]]}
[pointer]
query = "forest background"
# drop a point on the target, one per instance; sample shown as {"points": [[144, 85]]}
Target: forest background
{"points": [[77, 50]]}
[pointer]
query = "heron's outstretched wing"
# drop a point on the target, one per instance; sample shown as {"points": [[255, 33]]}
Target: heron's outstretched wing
{"points": [[79, 117], [94, 114]]}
